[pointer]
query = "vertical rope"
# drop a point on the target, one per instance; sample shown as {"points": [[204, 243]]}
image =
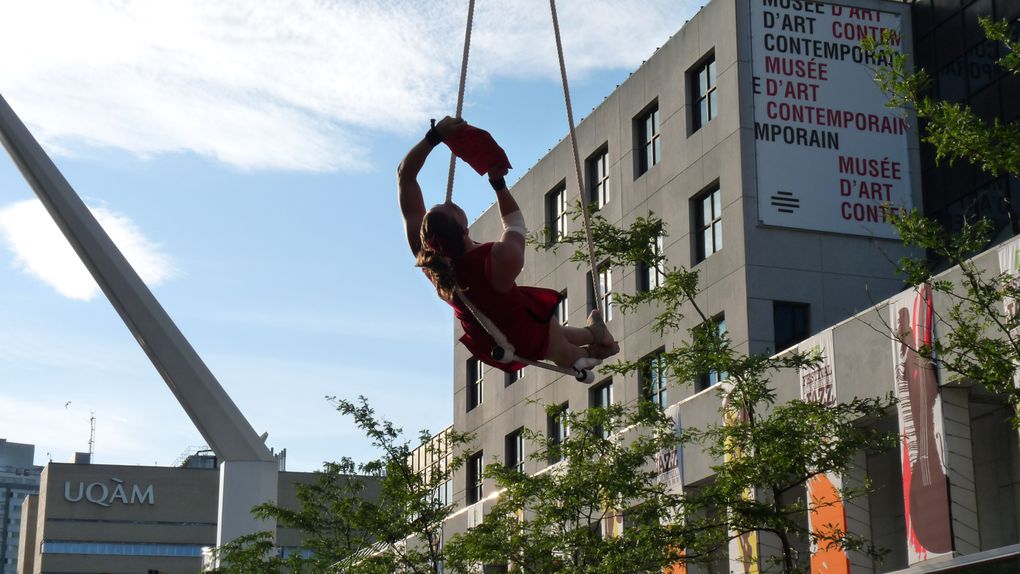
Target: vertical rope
{"points": [[460, 92], [577, 162]]}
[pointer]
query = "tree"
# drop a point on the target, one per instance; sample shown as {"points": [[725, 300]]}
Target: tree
{"points": [[981, 343], [763, 449], [382, 516], [566, 518]]}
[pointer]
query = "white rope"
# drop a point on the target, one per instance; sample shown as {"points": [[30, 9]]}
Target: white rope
{"points": [[460, 93], [577, 162]]}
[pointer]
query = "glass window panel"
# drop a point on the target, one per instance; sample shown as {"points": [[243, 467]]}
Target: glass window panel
{"points": [[717, 234], [713, 106], [716, 204], [702, 82]]}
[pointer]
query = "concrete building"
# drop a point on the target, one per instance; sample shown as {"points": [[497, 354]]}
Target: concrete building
{"points": [[95, 518], [752, 133], [19, 478]]}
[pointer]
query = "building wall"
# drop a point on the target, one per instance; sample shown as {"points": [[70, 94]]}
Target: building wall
{"points": [[836, 274], [19, 478], [161, 522]]}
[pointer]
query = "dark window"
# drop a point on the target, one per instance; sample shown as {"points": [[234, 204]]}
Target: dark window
{"points": [[713, 377], [646, 127], [562, 309], [707, 210], [605, 279], [511, 378], [601, 397], [652, 276], [556, 212], [475, 469], [654, 381], [598, 177], [515, 450], [790, 323], [474, 383], [704, 104], [558, 429]]}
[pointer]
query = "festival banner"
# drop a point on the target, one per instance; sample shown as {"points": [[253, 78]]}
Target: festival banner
{"points": [[670, 463], [829, 155], [1009, 265], [826, 508], [921, 433]]}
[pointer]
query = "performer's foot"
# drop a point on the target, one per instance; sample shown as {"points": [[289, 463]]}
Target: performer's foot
{"points": [[603, 344]]}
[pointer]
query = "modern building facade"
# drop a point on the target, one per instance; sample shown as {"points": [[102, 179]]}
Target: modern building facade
{"points": [[19, 478], [94, 518], [757, 135]]}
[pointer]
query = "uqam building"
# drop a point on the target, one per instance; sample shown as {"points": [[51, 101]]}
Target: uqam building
{"points": [[758, 135]]}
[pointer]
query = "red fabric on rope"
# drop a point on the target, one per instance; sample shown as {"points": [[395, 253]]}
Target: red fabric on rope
{"points": [[477, 148]]}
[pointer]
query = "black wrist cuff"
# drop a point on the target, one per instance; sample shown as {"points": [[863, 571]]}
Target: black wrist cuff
{"points": [[432, 136], [498, 183]]}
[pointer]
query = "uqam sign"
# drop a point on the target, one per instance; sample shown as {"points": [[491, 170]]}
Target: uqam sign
{"points": [[107, 494]]}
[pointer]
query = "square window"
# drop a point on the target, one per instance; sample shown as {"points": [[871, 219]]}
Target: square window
{"points": [[790, 323], [646, 130], [707, 211], [515, 450], [558, 428], [704, 102], [475, 469], [474, 383], [598, 177], [605, 279], [556, 213], [718, 328], [652, 276], [654, 381]]}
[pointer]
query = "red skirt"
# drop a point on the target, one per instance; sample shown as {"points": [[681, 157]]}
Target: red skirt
{"points": [[528, 331]]}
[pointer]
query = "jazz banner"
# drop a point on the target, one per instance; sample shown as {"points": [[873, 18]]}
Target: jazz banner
{"points": [[826, 509]]}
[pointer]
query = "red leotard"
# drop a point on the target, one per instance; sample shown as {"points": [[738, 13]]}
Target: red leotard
{"points": [[522, 313]]}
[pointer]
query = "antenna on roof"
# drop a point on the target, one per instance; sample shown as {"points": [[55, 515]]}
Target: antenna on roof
{"points": [[92, 436]]}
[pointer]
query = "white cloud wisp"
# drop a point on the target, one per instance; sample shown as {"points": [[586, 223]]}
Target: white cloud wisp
{"points": [[294, 84], [42, 251]]}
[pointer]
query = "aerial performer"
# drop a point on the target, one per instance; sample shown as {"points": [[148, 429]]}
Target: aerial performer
{"points": [[486, 273]]}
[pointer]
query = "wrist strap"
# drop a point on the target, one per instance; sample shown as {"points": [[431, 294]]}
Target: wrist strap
{"points": [[498, 184], [432, 136]]}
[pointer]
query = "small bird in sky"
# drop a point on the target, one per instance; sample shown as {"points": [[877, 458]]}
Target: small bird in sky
{"points": [[67, 404]]}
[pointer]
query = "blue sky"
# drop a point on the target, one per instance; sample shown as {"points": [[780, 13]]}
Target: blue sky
{"points": [[242, 155]]}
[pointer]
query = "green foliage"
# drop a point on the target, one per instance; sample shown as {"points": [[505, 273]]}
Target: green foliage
{"points": [[953, 128], [377, 517], [553, 521], [981, 343], [764, 452]]}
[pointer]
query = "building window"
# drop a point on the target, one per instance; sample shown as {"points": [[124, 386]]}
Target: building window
{"points": [[511, 378], [556, 212], [515, 450], [562, 309], [605, 279], [704, 104], [711, 378], [646, 128], [708, 223], [790, 323], [601, 397], [474, 383], [654, 381], [598, 177], [475, 469], [558, 429], [652, 276]]}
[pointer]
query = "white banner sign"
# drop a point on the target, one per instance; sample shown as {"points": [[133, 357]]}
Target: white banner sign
{"points": [[830, 155], [818, 383]]}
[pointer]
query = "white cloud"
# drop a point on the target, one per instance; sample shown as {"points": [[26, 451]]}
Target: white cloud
{"points": [[292, 84], [40, 249]]}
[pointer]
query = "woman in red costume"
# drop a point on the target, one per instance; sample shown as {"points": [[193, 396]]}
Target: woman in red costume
{"points": [[486, 272]]}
